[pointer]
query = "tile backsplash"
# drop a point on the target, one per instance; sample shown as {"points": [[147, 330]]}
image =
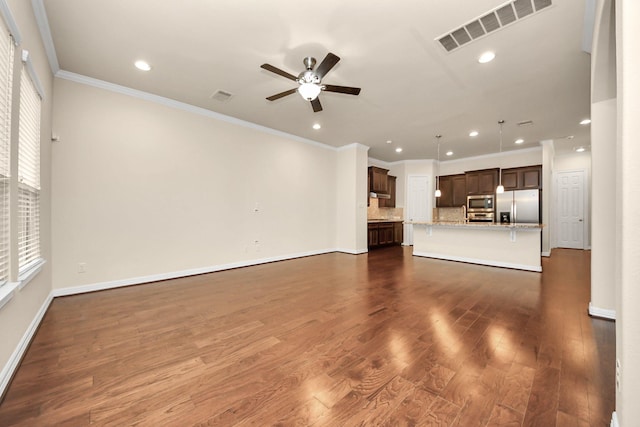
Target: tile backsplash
{"points": [[375, 212], [448, 214]]}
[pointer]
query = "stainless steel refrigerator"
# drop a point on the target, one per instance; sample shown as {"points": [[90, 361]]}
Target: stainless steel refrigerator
{"points": [[520, 206]]}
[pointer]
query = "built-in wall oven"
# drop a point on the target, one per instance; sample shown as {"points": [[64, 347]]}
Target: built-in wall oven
{"points": [[480, 216], [480, 208]]}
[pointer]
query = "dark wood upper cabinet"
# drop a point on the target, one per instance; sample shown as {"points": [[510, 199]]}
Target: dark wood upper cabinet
{"points": [[482, 181], [532, 177], [378, 182], [510, 179], [525, 178], [391, 187], [455, 188], [454, 191], [445, 184], [459, 190]]}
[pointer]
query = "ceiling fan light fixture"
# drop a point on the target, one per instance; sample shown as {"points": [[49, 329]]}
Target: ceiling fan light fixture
{"points": [[309, 91]]}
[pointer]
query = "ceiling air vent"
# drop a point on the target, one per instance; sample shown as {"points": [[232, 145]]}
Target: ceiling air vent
{"points": [[500, 17], [506, 14], [523, 8], [541, 4], [221, 95], [475, 29]]}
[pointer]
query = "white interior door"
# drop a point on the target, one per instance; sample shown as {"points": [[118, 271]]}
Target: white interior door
{"points": [[418, 206], [570, 212]]}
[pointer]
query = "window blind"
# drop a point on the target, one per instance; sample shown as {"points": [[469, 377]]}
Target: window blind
{"points": [[6, 84], [28, 172]]}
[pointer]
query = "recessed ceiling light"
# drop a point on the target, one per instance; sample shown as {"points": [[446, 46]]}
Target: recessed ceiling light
{"points": [[579, 149], [519, 141], [585, 122], [389, 141], [449, 153], [398, 150], [142, 65], [486, 57], [317, 126], [473, 133]]}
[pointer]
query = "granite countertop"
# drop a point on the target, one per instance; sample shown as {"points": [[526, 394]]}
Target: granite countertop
{"points": [[461, 224], [375, 220]]}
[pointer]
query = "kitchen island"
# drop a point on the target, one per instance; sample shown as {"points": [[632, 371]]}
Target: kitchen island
{"points": [[500, 245]]}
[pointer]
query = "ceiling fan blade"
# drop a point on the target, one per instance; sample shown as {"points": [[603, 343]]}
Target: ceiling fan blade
{"points": [[327, 64], [278, 71], [342, 89], [282, 94], [316, 105]]}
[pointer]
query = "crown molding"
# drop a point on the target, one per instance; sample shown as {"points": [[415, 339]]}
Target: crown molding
{"points": [[42, 20], [172, 103]]}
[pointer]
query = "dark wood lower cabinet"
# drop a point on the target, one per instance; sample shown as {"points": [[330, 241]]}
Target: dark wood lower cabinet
{"points": [[384, 233], [373, 235], [398, 232]]}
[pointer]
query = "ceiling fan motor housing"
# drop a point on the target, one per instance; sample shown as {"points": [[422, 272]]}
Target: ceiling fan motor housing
{"points": [[308, 77]]}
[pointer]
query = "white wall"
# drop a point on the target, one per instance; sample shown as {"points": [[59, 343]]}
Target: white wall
{"points": [[548, 207], [628, 290], [17, 315], [604, 212], [507, 159], [144, 189], [352, 193]]}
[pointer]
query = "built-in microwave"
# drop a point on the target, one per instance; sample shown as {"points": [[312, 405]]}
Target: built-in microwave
{"points": [[483, 203]]}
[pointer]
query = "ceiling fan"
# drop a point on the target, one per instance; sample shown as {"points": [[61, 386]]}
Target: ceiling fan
{"points": [[310, 81]]}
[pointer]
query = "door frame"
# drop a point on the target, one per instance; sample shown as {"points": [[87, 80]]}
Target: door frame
{"points": [[586, 193]]}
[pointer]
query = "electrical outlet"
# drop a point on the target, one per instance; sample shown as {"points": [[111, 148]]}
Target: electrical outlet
{"points": [[82, 267]]}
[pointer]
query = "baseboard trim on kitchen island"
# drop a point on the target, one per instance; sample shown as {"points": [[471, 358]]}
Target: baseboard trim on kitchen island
{"points": [[101, 286], [601, 312], [479, 261]]}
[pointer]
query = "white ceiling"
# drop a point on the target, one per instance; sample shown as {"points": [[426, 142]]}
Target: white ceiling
{"points": [[412, 89]]}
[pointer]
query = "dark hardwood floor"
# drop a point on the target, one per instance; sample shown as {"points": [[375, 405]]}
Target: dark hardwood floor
{"points": [[331, 340]]}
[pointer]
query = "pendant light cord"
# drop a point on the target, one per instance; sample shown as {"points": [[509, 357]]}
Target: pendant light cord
{"points": [[501, 122], [438, 176]]}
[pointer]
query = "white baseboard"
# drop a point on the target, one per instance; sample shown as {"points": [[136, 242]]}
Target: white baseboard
{"points": [[14, 361], [614, 420], [602, 312], [352, 252], [479, 261], [545, 254], [101, 286]]}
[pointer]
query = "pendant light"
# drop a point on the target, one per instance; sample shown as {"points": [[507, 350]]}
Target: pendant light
{"points": [[500, 188], [438, 192]]}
